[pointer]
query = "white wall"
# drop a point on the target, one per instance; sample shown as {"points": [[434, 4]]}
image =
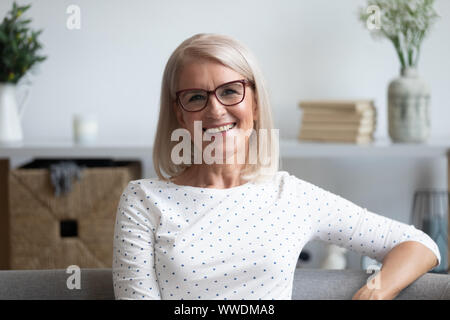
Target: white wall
{"points": [[307, 49]]}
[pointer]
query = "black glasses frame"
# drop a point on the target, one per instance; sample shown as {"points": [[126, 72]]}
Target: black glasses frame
{"points": [[243, 81]]}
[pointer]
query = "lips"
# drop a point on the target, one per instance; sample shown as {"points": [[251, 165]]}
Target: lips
{"points": [[219, 128]]}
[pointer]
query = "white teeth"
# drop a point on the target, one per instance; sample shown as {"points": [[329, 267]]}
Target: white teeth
{"points": [[220, 129]]}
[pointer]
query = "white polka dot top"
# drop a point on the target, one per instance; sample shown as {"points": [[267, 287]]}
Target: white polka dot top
{"points": [[183, 242]]}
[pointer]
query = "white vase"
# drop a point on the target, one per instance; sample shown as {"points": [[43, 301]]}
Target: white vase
{"points": [[408, 108], [11, 113], [335, 259]]}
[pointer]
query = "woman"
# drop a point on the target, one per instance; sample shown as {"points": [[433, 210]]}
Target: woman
{"points": [[233, 230]]}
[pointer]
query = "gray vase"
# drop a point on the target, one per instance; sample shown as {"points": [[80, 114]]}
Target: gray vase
{"points": [[408, 108]]}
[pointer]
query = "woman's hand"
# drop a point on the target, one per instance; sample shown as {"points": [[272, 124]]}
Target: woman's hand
{"points": [[375, 289], [365, 293], [402, 266]]}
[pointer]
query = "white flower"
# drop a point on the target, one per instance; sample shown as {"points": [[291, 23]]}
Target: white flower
{"points": [[405, 23]]}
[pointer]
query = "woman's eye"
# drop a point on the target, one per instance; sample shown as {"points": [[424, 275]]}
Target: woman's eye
{"points": [[228, 91], [196, 97]]}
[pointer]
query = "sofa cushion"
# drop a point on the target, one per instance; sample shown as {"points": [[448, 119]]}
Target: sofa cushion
{"points": [[96, 284], [343, 284]]}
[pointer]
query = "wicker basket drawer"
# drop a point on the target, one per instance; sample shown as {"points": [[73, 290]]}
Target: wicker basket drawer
{"points": [[52, 232]]}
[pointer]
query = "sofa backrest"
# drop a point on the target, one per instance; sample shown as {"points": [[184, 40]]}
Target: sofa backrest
{"points": [[321, 284], [96, 284]]}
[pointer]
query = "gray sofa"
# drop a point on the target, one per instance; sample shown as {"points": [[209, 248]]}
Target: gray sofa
{"points": [[96, 284]]}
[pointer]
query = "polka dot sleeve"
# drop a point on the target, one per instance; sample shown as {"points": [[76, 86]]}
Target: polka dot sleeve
{"points": [[133, 257], [339, 221]]}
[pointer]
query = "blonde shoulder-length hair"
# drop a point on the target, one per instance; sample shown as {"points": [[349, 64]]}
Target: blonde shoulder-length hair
{"points": [[237, 57]]}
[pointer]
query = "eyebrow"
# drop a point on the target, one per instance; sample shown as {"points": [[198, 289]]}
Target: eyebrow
{"points": [[203, 88]]}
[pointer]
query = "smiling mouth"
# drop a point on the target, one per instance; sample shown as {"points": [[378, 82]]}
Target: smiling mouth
{"points": [[220, 129]]}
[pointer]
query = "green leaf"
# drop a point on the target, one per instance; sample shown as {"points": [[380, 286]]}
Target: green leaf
{"points": [[3, 37], [23, 22], [19, 44]]}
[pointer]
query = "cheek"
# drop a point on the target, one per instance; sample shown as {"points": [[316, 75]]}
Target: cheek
{"points": [[246, 113], [245, 116], [190, 125], [189, 121]]}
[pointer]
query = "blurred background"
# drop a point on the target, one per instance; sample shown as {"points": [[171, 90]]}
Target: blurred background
{"points": [[112, 66]]}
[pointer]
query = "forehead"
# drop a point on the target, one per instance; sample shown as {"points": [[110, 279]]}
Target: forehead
{"points": [[206, 74]]}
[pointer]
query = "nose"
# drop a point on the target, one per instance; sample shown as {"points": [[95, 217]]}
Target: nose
{"points": [[214, 108]]}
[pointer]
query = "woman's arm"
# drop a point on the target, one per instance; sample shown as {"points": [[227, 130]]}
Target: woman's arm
{"points": [[406, 252], [133, 266], [404, 264]]}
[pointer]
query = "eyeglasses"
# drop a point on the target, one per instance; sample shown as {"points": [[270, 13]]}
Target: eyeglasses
{"points": [[228, 94]]}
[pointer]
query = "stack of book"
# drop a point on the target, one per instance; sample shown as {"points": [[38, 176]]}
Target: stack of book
{"points": [[351, 121]]}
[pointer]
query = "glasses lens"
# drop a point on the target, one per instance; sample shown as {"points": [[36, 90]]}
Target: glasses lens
{"points": [[193, 100], [231, 93]]}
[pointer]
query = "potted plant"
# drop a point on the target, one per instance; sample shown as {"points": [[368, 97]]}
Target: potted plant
{"points": [[19, 48], [405, 23]]}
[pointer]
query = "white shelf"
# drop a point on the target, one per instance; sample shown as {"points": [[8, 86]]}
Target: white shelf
{"points": [[69, 149], [380, 148], [288, 149]]}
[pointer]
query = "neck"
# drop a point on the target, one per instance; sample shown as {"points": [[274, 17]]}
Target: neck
{"points": [[218, 176]]}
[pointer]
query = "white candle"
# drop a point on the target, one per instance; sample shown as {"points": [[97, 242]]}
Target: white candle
{"points": [[85, 128]]}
